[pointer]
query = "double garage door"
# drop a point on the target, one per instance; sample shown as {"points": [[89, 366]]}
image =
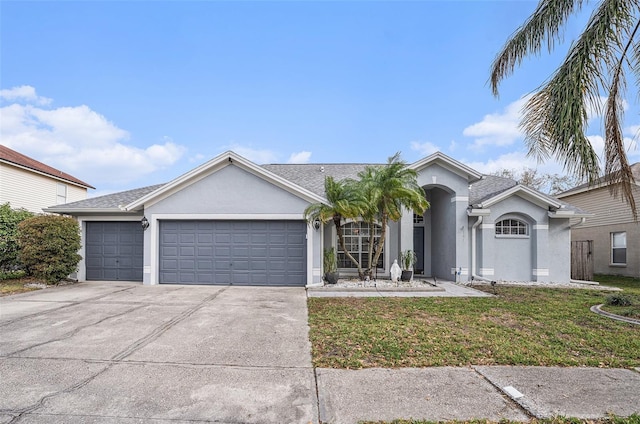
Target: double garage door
{"points": [[271, 253]]}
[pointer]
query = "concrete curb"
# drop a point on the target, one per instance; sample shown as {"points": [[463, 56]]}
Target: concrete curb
{"points": [[596, 309]]}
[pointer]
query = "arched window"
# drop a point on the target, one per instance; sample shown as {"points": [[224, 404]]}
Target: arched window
{"points": [[512, 227], [356, 240]]}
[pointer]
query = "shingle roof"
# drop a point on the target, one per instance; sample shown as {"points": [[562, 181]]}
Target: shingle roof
{"points": [[8, 155], [488, 187], [108, 201], [635, 170], [311, 176]]}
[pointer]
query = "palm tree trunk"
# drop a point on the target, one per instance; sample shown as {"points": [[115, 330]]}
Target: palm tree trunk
{"points": [[383, 231], [337, 221]]}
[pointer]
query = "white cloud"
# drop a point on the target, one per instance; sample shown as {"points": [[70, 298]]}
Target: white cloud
{"points": [[498, 129], [300, 157], [25, 93], [425, 149], [81, 142]]}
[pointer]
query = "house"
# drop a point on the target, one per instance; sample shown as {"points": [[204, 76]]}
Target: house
{"points": [[615, 234], [32, 185], [230, 221]]}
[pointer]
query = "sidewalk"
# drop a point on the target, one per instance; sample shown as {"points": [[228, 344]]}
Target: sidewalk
{"points": [[479, 392]]}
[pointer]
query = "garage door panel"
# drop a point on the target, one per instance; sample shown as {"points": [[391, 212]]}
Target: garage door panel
{"points": [[234, 252]]}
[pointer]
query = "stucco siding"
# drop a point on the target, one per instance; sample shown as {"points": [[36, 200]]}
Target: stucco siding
{"points": [[230, 190], [601, 237], [559, 250], [32, 191], [436, 175], [542, 255], [443, 220]]}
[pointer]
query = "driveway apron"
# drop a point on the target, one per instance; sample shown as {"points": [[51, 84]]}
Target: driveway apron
{"points": [[120, 352]]}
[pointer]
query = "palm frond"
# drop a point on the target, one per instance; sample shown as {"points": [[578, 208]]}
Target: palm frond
{"points": [[544, 24], [556, 118]]}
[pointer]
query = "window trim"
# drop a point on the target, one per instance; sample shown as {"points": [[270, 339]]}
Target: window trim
{"points": [[612, 248], [385, 250], [526, 225], [61, 199]]}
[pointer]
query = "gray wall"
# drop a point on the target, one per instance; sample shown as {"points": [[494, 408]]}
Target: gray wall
{"points": [[547, 246], [230, 190], [443, 234]]}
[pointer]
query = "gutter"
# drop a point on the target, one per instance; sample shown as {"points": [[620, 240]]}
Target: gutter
{"points": [[480, 213]]}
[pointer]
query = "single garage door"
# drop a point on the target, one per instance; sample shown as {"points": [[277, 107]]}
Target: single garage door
{"points": [[114, 251], [265, 253]]}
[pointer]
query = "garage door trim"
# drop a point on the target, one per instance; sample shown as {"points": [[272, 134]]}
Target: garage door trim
{"points": [[154, 228]]}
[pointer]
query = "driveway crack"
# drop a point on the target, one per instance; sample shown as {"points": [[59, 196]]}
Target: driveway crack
{"points": [[73, 332], [115, 359], [68, 305]]}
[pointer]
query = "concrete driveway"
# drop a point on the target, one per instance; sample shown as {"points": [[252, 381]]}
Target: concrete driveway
{"points": [[121, 352]]}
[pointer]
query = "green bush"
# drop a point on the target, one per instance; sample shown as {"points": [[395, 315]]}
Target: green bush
{"points": [[12, 275], [618, 300], [49, 247], [9, 220]]}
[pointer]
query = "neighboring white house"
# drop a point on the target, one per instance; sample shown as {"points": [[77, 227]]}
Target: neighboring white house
{"points": [[230, 221], [32, 185]]}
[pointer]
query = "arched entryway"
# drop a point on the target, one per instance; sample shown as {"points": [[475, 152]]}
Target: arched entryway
{"points": [[434, 234]]}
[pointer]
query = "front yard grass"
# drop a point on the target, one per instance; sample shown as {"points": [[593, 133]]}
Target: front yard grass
{"points": [[631, 292], [520, 326], [15, 286]]}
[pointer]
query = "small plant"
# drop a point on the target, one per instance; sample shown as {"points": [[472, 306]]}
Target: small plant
{"points": [[330, 265], [618, 299], [408, 258], [49, 247]]}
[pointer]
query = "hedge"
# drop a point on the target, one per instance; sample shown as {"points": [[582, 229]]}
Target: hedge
{"points": [[49, 247], [9, 220]]}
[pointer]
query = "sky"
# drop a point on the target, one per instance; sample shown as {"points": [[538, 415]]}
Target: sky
{"points": [[125, 94]]}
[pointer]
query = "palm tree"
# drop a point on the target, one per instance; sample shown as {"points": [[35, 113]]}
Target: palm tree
{"points": [[388, 190], [556, 116], [344, 202]]}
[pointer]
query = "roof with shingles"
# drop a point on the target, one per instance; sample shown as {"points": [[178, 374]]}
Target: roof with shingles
{"points": [[11, 156], [108, 201], [635, 170], [310, 177]]}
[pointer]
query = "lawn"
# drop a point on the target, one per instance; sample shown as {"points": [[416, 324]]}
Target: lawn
{"points": [[15, 286], [520, 326], [631, 292]]}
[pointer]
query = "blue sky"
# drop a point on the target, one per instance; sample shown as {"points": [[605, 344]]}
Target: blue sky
{"points": [[126, 94]]}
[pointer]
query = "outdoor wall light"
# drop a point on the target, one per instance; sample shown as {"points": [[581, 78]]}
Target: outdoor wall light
{"points": [[145, 223], [316, 224]]}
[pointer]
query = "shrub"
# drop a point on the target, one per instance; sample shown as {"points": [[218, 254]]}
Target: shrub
{"points": [[12, 275], [9, 220], [618, 300], [49, 247]]}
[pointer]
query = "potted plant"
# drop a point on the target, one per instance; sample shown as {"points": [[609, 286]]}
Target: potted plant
{"points": [[330, 264], [408, 259]]}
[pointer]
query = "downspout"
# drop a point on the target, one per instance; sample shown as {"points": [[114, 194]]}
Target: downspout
{"points": [[474, 253], [582, 221]]}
